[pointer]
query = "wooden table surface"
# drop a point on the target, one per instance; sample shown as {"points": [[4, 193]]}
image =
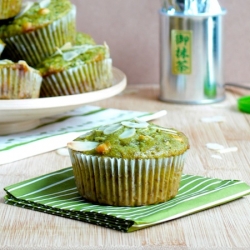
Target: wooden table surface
{"points": [[223, 227]]}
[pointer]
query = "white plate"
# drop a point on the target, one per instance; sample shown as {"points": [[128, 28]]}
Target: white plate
{"points": [[21, 115]]}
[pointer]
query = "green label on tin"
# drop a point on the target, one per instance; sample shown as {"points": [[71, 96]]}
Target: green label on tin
{"points": [[181, 50]]}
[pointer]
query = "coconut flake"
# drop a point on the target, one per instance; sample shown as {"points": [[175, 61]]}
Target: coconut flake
{"points": [[127, 133], [218, 118], [227, 150], [112, 129], [82, 145], [25, 7], [134, 124], [214, 146]]}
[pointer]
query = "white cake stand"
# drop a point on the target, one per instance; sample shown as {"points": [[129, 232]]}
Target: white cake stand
{"points": [[22, 115]]}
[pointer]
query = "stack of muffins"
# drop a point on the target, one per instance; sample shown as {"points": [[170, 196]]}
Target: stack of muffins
{"points": [[43, 54]]}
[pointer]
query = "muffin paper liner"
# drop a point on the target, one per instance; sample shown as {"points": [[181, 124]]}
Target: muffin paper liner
{"points": [[18, 84], [9, 8], [35, 46], [77, 80], [126, 182]]}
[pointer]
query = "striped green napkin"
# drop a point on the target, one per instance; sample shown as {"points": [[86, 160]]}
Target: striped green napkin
{"points": [[54, 132], [56, 193]]}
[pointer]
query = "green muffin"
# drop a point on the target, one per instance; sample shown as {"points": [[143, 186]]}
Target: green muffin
{"points": [[39, 29], [131, 163], [19, 80], [75, 70], [83, 38], [9, 8]]}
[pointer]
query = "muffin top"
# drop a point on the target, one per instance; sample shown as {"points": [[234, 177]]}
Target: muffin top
{"points": [[131, 140], [35, 15], [20, 65], [72, 56]]}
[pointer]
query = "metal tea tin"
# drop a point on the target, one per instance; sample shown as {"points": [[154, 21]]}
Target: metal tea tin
{"points": [[191, 67]]}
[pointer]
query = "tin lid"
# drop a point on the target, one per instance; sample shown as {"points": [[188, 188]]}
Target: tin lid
{"points": [[244, 104], [192, 7]]}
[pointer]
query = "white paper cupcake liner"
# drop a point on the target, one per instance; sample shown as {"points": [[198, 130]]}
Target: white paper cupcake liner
{"points": [[88, 77], [19, 84], [125, 182], [35, 46], [9, 8]]}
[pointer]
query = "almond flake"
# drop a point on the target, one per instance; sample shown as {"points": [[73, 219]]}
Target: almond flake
{"points": [[127, 133], [112, 129], [213, 119], [66, 46], [25, 7], [82, 145], [216, 157], [214, 146], [63, 151], [134, 124], [170, 131], [88, 133], [227, 150], [44, 3], [102, 128], [70, 55]]}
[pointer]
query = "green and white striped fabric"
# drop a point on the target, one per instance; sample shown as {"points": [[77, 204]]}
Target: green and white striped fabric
{"points": [[81, 119], [56, 131], [55, 193]]}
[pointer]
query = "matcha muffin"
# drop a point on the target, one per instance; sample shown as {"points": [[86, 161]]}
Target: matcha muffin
{"points": [[19, 80], [131, 163], [38, 30], [9, 8], [83, 38], [75, 70]]}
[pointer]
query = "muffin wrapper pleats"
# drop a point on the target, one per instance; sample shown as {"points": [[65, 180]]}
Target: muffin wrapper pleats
{"points": [[35, 46], [126, 182], [19, 84], [9, 8], [85, 78]]}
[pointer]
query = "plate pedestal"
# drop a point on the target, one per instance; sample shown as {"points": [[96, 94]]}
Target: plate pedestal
{"points": [[16, 127]]}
